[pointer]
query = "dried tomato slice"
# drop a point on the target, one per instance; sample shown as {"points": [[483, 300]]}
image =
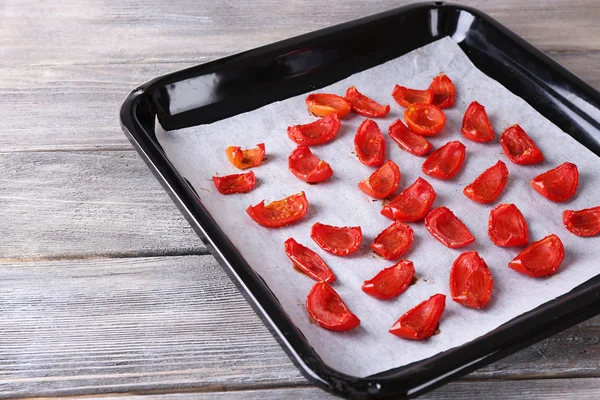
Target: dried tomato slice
{"points": [[558, 184], [447, 228], [248, 158], [369, 144], [405, 96], [507, 226], [584, 222], [471, 282], [421, 321], [390, 282], [308, 261], [425, 119], [324, 104], [328, 310], [393, 241], [308, 167], [235, 183], [488, 186], [412, 204], [541, 258], [445, 162], [363, 105], [317, 132], [280, 212], [444, 91], [339, 241], [476, 124], [408, 140], [519, 147], [382, 182]]}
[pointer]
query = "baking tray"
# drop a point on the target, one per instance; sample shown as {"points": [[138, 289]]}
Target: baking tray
{"points": [[249, 80]]}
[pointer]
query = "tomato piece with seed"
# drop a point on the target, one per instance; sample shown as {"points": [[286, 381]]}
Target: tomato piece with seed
{"points": [[390, 282], [247, 158], [369, 144], [412, 204], [476, 124], [558, 184], [393, 241], [363, 105], [488, 186], [328, 310], [339, 241], [235, 183], [519, 147], [421, 321], [541, 258], [425, 119], [308, 261], [445, 162], [317, 132], [280, 212], [308, 167], [382, 182], [471, 282], [408, 140], [507, 226], [447, 228], [324, 104], [584, 222], [444, 91], [405, 96]]}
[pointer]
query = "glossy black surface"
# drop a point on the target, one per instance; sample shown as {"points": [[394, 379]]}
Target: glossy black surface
{"points": [[249, 80]]}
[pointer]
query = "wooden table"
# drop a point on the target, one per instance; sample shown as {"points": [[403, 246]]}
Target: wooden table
{"points": [[104, 288]]}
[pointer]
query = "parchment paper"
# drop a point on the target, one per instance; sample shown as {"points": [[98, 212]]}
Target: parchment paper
{"points": [[199, 153]]}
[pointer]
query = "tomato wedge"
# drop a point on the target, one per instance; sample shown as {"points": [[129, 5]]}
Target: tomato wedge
{"points": [[445, 162], [318, 132], [280, 212], [382, 182], [447, 228], [471, 282], [519, 147], [337, 240], [235, 183], [421, 321], [369, 144], [412, 204], [327, 309], [584, 222], [425, 119], [541, 258], [363, 105], [308, 167], [444, 91], [393, 241], [476, 124], [308, 261], [405, 96], [488, 186], [390, 282], [408, 140], [507, 226], [558, 184], [248, 158], [324, 104]]}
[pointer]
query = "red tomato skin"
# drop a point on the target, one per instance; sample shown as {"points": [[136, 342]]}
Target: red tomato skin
{"points": [[324, 104], [420, 194], [443, 215], [319, 173], [369, 144], [323, 297], [405, 96], [370, 185], [364, 106], [394, 241], [444, 91], [390, 282], [425, 119], [482, 133], [478, 190], [292, 209], [323, 131], [519, 147], [584, 222], [518, 237], [323, 235], [536, 268], [244, 159], [435, 164], [235, 183], [408, 140], [308, 261], [471, 282], [565, 176], [434, 308]]}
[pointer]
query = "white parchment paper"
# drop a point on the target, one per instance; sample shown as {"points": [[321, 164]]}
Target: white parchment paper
{"points": [[198, 153]]}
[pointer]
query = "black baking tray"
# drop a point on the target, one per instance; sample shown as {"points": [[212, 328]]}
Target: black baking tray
{"points": [[249, 80]]}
